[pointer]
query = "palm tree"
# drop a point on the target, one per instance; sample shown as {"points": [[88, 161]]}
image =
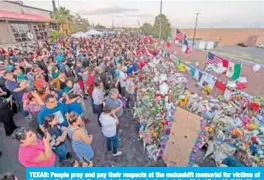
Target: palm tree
{"points": [[54, 35], [63, 18]]}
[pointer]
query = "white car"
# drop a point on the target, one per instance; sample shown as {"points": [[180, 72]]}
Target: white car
{"points": [[261, 46]]}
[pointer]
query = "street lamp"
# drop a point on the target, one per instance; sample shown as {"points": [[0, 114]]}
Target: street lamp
{"points": [[160, 19], [195, 26]]}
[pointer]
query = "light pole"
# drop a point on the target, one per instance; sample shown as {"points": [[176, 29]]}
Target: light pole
{"points": [[195, 26], [160, 19], [112, 22]]}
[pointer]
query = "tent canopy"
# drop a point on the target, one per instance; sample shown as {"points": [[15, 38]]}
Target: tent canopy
{"points": [[79, 35], [93, 32]]}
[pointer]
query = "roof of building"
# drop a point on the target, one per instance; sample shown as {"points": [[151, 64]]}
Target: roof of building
{"points": [[23, 17], [21, 4]]}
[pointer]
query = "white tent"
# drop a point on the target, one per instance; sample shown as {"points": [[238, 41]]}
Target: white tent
{"points": [[93, 32], [79, 35], [108, 32]]}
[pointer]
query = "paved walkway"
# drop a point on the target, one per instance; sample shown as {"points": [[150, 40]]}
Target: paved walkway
{"points": [[130, 145]]}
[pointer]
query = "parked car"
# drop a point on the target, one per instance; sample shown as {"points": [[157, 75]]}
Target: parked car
{"points": [[260, 46], [242, 44]]}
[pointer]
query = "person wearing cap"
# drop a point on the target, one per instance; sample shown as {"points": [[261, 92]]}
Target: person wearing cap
{"points": [[109, 123], [34, 152]]}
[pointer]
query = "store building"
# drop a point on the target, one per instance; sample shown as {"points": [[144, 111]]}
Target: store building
{"points": [[225, 36], [20, 23]]}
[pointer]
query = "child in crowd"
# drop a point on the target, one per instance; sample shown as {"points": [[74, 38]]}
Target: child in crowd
{"points": [[58, 134]]}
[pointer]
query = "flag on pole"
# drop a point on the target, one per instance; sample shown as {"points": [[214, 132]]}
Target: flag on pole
{"points": [[185, 45], [233, 70], [224, 66], [179, 35], [164, 52], [168, 44], [169, 34], [150, 52], [213, 59]]}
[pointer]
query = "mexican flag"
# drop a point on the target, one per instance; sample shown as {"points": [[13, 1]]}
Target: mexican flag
{"points": [[169, 35], [233, 70], [164, 53]]}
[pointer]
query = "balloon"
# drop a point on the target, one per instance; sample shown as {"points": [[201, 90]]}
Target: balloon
{"points": [[256, 67]]}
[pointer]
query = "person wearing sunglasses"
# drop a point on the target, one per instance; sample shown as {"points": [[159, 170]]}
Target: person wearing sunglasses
{"points": [[34, 152]]}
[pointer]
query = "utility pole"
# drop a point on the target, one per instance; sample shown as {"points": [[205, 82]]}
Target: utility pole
{"points": [[160, 19], [54, 6], [138, 28], [195, 27], [113, 22]]}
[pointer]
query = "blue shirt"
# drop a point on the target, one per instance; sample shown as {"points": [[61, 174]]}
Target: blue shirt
{"points": [[117, 59], [231, 161], [59, 59], [75, 107], [130, 69], [14, 59], [135, 67], [59, 111]]}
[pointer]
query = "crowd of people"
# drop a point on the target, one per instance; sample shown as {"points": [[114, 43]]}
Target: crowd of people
{"points": [[49, 86]]}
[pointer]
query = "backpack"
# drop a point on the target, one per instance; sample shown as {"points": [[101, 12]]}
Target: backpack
{"points": [[108, 78]]}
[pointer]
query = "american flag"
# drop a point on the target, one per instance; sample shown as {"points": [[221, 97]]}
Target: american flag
{"points": [[213, 59], [179, 35]]}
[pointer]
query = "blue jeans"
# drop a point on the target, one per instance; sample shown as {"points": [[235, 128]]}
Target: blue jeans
{"points": [[20, 103], [112, 144], [98, 109], [61, 151]]}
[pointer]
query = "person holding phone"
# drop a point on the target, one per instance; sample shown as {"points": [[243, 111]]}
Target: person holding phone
{"points": [[34, 152], [58, 135]]}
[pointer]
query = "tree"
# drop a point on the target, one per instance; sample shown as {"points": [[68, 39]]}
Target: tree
{"points": [[54, 35], [165, 26], [80, 24], [147, 28], [99, 27], [63, 18]]}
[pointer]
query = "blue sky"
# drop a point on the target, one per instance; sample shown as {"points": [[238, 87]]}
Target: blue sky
{"points": [[214, 14]]}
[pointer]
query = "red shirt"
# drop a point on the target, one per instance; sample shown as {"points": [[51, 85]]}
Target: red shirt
{"points": [[90, 84]]}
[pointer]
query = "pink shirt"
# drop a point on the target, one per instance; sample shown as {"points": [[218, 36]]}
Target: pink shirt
{"points": [[28, 154]]}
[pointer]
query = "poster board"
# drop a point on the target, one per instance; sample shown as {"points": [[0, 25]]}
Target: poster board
{"points": [[183, 135]]}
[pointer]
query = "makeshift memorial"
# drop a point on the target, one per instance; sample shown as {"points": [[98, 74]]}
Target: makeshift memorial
{"points": [[156, 105]]}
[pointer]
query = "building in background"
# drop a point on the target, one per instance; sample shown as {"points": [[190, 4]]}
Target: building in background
{"points": [[20, 23], [224, 36]]}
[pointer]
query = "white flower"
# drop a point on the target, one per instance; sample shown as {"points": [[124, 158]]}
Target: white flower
{"points": [[164, 88], [163, 77]]}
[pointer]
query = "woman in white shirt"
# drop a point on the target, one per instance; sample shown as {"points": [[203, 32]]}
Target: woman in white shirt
{"points": [[109, 123]]}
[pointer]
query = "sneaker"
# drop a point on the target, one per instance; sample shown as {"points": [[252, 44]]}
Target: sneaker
{"points": [[119, 153]]}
